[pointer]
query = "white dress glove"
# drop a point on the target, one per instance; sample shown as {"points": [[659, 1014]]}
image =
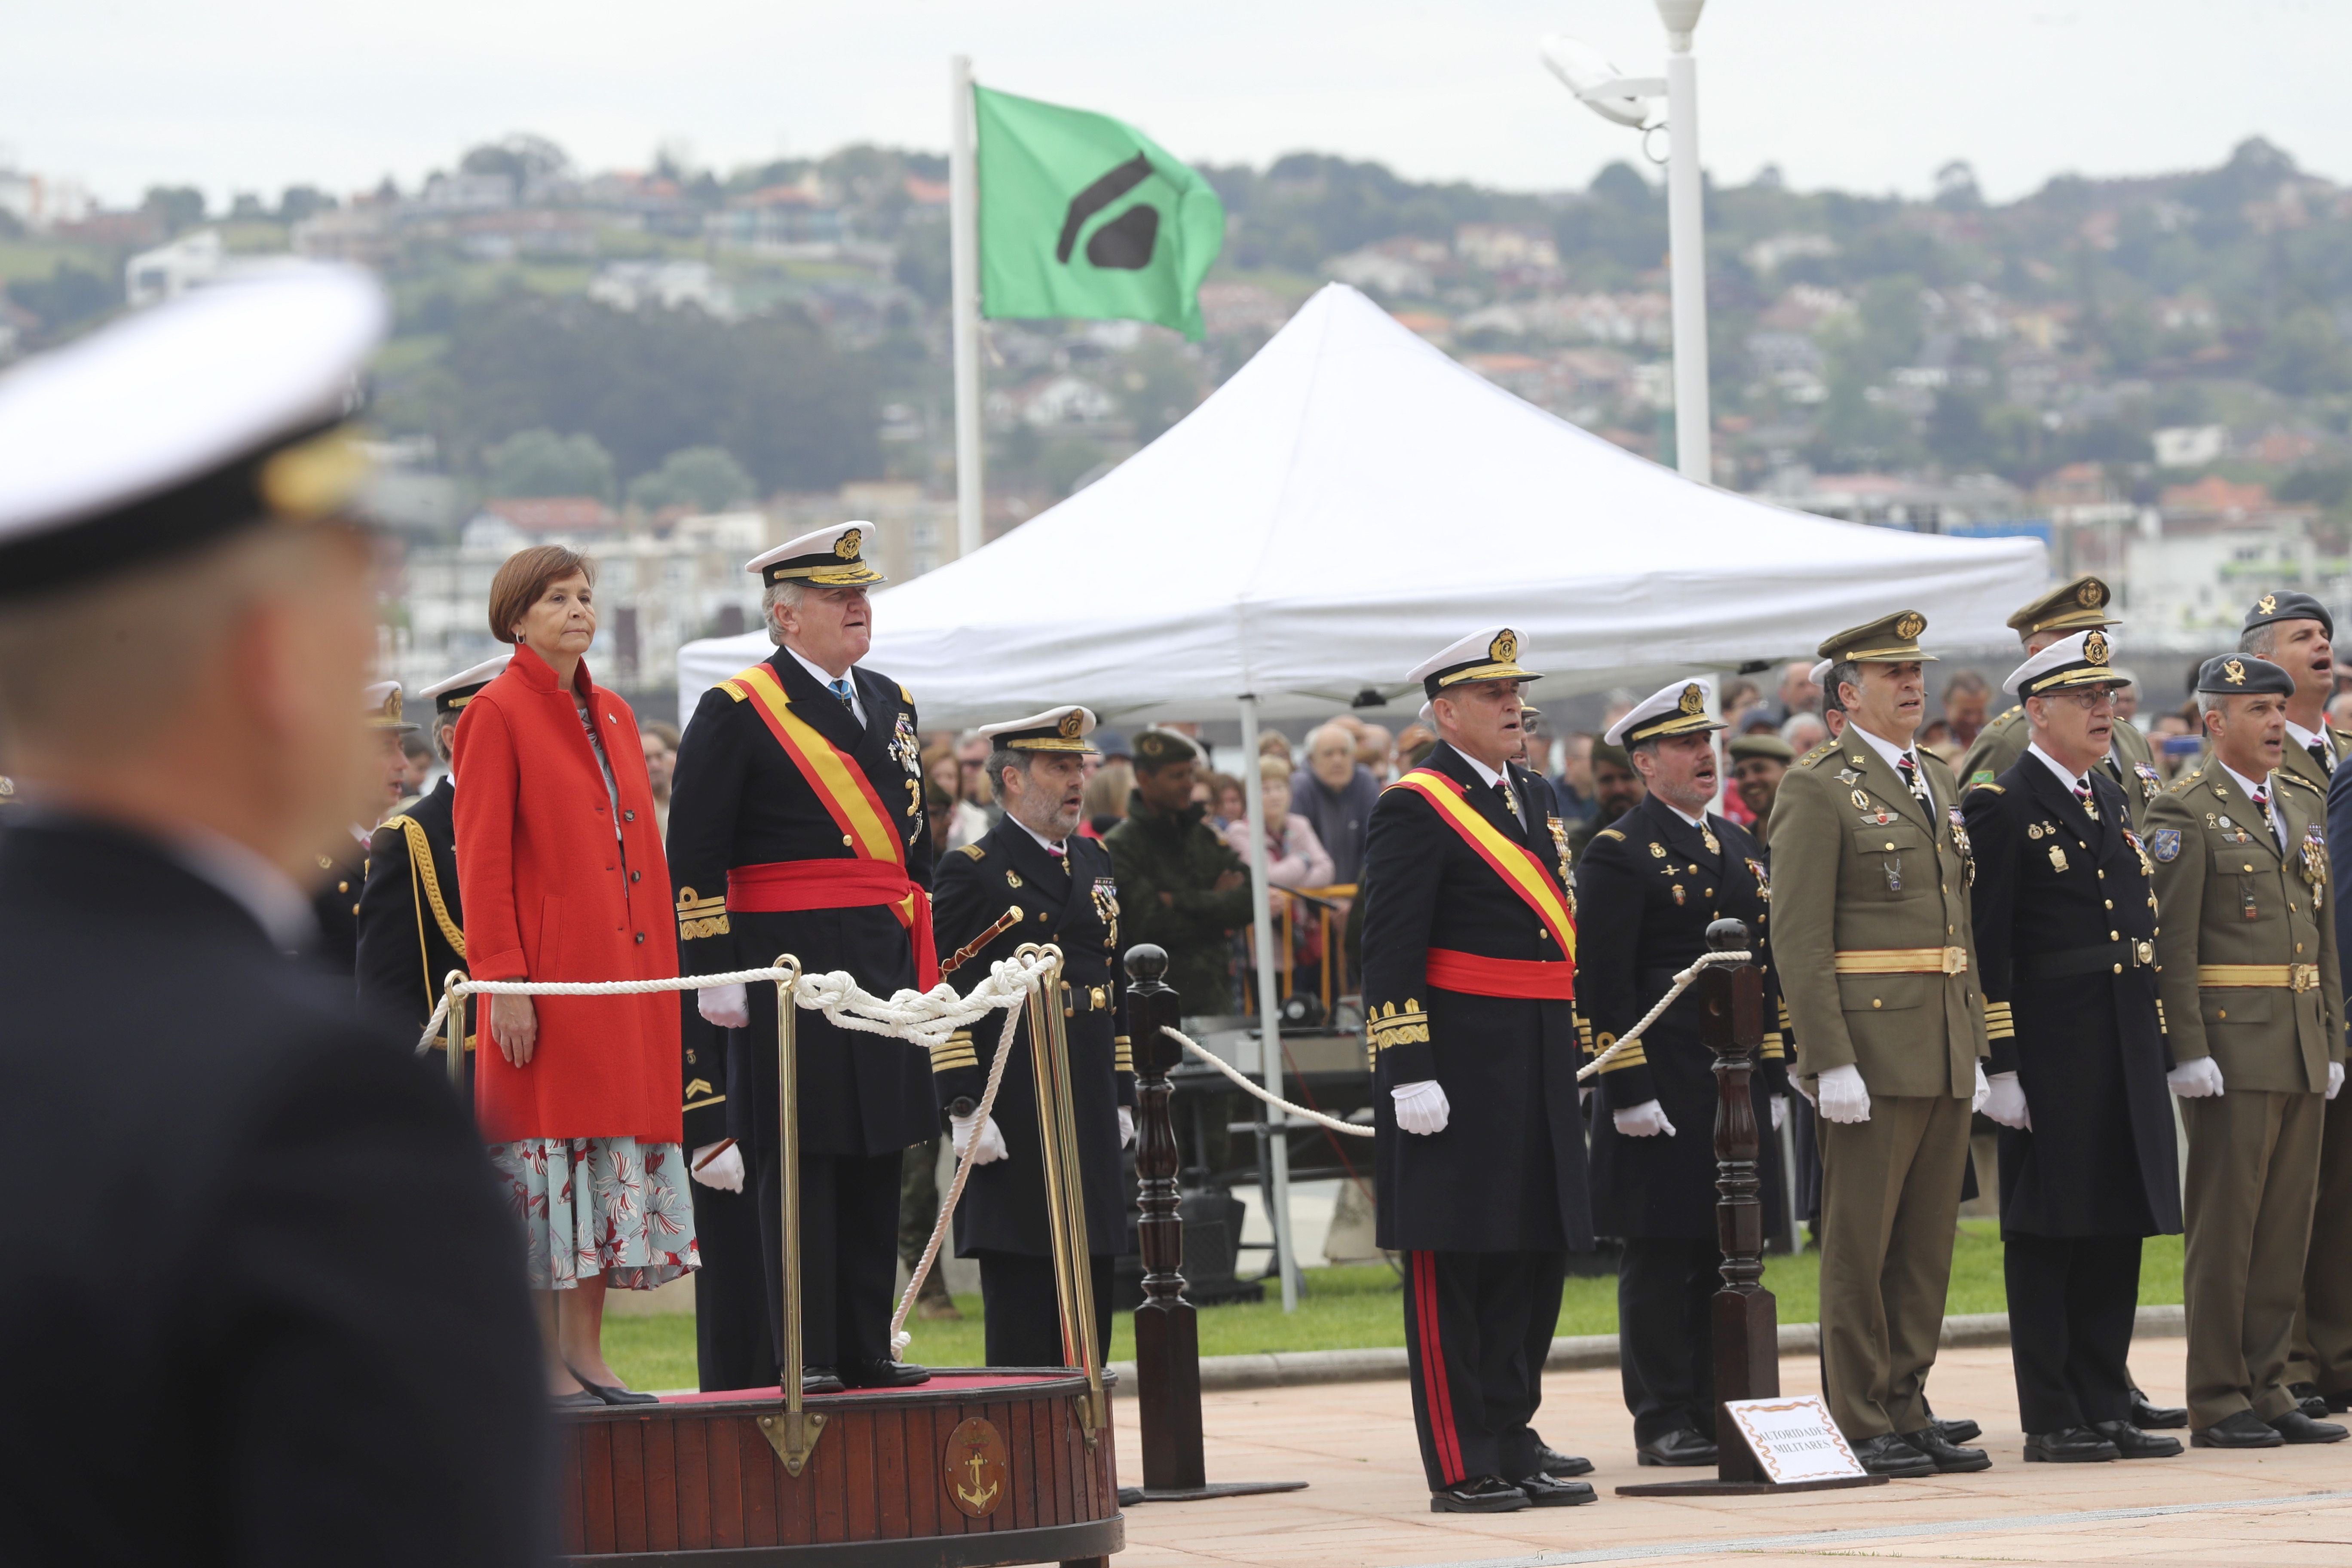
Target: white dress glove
{"points": [[2334, 1079], [1126, 1127], [992, 1142], [1422, 1106], [2004, 1102], [1977, 1097], [1841, 1096], [729, 1006], [724, 1173], [1647, 1119], [1780, 1111], [2195, 1080]]}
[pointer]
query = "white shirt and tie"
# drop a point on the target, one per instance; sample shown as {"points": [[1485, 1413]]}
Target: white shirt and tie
{"points": [[2259, 793], [1499, 781], [1904, 760], [841, 686], [2080, 783]]}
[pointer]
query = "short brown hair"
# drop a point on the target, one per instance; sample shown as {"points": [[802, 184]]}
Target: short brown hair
{"points": [[525, 576]]}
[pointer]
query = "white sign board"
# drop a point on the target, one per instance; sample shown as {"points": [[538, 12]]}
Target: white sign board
{"points": [[1793, 1438]]}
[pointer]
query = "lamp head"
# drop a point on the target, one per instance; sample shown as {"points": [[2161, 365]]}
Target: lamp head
{"points": [[1580, 67], [1681, 18]]}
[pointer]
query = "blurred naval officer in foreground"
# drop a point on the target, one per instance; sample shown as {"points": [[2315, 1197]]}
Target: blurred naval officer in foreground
{"points": [[1032, 878], [1648, 889], [1469, 972], [2066, 921], [2253, 1005], [412, 926], [2067, 611], [1871, 938], [293, 1265]]}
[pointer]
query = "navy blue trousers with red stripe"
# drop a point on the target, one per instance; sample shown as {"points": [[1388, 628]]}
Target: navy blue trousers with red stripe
{"points": [[1477, 1327]]}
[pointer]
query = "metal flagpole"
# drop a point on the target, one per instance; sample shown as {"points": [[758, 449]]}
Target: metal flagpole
{"points": [[1687, 240], [964, 287], [1278, 1201]]}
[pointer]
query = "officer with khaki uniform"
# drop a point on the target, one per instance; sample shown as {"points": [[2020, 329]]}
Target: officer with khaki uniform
{"points": [[2248, 976], [1872, 939], [2080, 605]]}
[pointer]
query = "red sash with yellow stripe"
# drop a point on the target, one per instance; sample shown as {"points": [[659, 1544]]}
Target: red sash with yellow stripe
{"points": [[1522, 873], [867, 831]]}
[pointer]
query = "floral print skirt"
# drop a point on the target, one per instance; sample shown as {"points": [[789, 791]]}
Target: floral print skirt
{"points": [[600, 1205]]}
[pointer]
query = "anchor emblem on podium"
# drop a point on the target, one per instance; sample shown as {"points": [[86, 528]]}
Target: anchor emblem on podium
{"points": [[976, 1469]]}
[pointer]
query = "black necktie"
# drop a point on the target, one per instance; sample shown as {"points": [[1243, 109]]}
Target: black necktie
{"points": [[2319, 755], [1510, 802], [2263, 805], [1912, 781]]}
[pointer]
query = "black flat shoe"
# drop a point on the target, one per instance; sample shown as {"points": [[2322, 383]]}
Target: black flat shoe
{"points": [[2297, 1428], [820, 1380], [883, 1374], [2071, 1446], [1960, 1429], [1887, 1454], [609, 1394], [1547, 1491], [1559, 1466], [2242, 1430], [1948, 1458], [583, 1400], [2134, 1444], [1480, 1494], [1679, 1446], [2150, 1417], [2308, 1399]]}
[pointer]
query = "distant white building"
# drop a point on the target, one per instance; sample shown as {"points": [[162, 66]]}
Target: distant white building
{"points": [[1495, 247], [671, 284], [2191, 446], [1061, 399], [1381, 271], [171, 269]]}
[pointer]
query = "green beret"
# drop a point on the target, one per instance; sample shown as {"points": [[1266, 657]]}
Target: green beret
{"points": [[1762, 745], [1158, 748]]}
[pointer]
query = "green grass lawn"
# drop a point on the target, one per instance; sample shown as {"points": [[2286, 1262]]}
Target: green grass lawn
{"points": [[1355, 1309]]}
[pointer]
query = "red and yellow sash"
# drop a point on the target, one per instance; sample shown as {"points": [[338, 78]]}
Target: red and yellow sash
{"points": [[1518, 867], [837, 779]]}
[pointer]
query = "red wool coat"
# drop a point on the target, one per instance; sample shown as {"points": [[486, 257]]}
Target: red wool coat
{"points": [[550, 894]]}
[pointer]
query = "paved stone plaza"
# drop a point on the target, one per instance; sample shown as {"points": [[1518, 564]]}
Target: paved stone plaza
{"points": [[1368, 1504]]}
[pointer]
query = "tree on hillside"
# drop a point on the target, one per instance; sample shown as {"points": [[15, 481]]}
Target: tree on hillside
{"points": [[543, 463], [705, 479]]}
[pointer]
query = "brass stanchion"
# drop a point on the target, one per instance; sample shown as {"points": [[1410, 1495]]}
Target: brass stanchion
{"points": [[793, 1433], [457, 1027], [1064, 1204]]}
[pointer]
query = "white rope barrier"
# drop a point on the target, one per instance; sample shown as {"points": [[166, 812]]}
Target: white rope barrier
{"points": [[1682, 983], [899, 1338]]}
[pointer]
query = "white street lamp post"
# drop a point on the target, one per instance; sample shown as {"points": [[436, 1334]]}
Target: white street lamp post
{"points": [[1627, 100]]}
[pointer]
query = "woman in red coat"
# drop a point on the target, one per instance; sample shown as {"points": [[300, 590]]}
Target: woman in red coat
{"points": [[561, 877]]}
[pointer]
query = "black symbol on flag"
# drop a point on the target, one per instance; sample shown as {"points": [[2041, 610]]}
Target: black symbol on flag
{"points": [[1125, 241]]}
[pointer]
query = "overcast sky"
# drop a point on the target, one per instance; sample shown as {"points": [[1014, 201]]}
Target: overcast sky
{"points": [[1867, 95]]}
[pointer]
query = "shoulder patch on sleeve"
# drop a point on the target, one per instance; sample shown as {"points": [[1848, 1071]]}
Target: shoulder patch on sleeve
{"points": [[1610, 833], [974, 850], [2164, 843]]}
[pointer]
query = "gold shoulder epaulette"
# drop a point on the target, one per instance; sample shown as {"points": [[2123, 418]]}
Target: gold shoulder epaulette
{"points": [[974, 850], [2004, 720], [2299, 779], [1610, 833], [1826, 749], [906, 697], [2181, 784], [1997, 789]]}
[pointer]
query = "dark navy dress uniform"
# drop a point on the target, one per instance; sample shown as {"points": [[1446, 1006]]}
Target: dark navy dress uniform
{"points": [[412, 928], [1487, 1208], [2065, 919], [1648, 889], [1001, 1220], [335, 906], [740, 808]]}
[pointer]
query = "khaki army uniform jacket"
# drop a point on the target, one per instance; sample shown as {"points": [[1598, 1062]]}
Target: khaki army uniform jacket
{"points": [[2247, 971], [2302, 765], [1871, 930], [2003, 740]]}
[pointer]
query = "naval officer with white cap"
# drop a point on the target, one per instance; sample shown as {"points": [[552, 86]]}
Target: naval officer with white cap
{"points": [[288, 1260]]}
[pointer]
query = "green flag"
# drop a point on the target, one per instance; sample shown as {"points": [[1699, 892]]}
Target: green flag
{"points": [[1081, 215]]}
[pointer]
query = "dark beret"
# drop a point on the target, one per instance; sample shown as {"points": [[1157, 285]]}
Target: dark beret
{"points": [[2243, 675]]}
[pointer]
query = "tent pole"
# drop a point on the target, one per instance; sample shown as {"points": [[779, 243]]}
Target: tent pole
{"points": [[963, 285], [1277, 1202]]}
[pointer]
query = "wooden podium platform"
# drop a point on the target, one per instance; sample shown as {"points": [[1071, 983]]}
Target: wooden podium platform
{"points": [[977, 1467]]}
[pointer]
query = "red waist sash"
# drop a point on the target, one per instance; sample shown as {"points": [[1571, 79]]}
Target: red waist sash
{"points": [[785, 886], [1518, 978]]}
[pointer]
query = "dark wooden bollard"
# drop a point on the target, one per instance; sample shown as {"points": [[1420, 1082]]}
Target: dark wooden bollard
{"points": [[1746, 1318], [1167, 1333]]}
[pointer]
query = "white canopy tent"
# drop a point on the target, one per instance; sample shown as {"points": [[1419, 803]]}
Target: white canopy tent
{"points": [[1350, 501]]}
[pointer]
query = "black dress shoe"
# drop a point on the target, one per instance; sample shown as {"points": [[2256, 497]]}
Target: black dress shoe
{"points": [[1547, 1491], [2070, 1446], [2308, 1399], [583, 1400], [883, 1374], [820, 1380], [2242, 1430], [612, 1394], [1479, 1494], [2297, 1428], [2150, 1417], [2337, 1403], [1887, 1454], [1948, 1458], [1561, 1466], [1960, 1429], [2134, 1444], [1680, 1447]]}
